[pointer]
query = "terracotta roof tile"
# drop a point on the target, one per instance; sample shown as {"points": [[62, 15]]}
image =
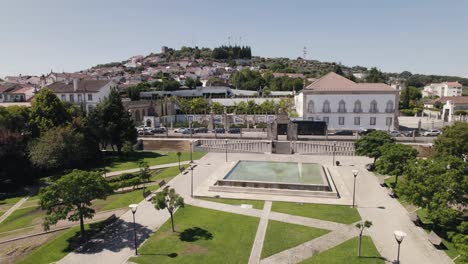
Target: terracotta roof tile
{"points": [[335, 82], [83, 85]]}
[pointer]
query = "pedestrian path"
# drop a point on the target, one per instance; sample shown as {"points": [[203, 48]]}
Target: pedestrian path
{"points": [[162, 166], [16, 205], [257, 247]]}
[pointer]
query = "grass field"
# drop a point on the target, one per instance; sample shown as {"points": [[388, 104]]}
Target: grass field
{"points": [[5, 204], [21, 218], [281, 236], [347, 253], [256, 204], [60, 246], [336, 213], [116, 163], [203, 236]]}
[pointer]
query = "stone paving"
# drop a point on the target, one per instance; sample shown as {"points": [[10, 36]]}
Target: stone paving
{"points": [[257, 247]]}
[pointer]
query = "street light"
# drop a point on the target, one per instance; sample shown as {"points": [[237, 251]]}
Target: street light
{"points": [[355, 173], [133, 208], [192, 166], [334, 150], [399, 236], [191, 148], [226, 148]]}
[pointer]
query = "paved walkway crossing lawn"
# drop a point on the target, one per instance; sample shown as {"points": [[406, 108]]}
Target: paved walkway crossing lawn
{"points": [[116, 163], [347, 253], [281, 236], [21, 218], [256, 204], [336, 213], [203, 236]]}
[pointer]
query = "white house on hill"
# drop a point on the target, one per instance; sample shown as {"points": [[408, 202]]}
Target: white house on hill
{"points": [[344, 104], [443, 89], [87, 93]]}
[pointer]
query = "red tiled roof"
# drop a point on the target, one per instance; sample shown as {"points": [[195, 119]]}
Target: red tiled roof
{"points": [[336, 82], [453, 84], [454, 99]]}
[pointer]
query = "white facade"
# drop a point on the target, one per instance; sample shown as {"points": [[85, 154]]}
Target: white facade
{"points": [[376, 110], [87, 99], [443, 89]]}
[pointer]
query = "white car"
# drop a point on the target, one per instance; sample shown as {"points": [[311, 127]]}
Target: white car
{"points": [[431, 133], [394, 133]]}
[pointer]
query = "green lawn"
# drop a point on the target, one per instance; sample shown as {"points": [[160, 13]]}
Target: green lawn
{"points": [[203, 236], [255, 203], [116, 163], [281, 236], [60, 246], [347, 253], [5, 204], [21, 218], [336, 213]]}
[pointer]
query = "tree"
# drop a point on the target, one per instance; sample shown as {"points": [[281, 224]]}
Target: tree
{"points": [[144, 172], [438, 185], [47, 111], [408, 95], [15, 118], [362, 225], [394, 159], [70, 197], [60, 147], [170, 200], [178, 156], [192, 83], [369, 145], [247, 79], [16, 169], [376, 76], [112, 124], [453, 140], [133, 92]]}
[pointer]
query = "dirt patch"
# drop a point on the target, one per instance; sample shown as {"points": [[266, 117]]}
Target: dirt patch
{"points": [[194, 249]]}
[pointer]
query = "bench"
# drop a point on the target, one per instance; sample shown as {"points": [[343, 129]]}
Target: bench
{"points": [[382, 182], [414, 218], [434, 239], [391, 193], [162, 183]]}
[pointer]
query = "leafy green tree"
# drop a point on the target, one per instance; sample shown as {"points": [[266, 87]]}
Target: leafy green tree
{"points": [[16, 169], [15, 118], [60, 147], [394, 159], [453, 140], [112, 124], [247, 79], [376, 76], [47, 111], [409, 95], [362, 225], [369, 145], [70, 197], [178, 157], [192, 83], [170, 200], [144, 172], [133, 92], [438, 185], [217, 108]]}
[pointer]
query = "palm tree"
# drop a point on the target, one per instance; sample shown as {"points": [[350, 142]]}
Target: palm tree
{"points": [[362, 225]]}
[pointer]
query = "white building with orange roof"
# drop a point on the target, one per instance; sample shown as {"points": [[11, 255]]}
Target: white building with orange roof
{"points": [[443, 89], [346, 105]]}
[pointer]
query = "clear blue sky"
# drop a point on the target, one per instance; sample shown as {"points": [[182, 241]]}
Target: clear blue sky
{"points": [[64, 35]]}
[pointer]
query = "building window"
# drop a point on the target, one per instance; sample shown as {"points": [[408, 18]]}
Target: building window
{"points": [[341, 120], [325, 119], [326, 107], [80, 98], [342, 107], [388, 121], [373, 120], [64, 98], [72, 98], [373, 107], [310, 107], [389, 108], [90, 97], [311, 118], [357, 107], [357, 121]]}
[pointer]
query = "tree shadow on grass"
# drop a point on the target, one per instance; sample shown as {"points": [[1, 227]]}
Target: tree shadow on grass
{"points": [[195, 233], [374, 257], [114, 238]]}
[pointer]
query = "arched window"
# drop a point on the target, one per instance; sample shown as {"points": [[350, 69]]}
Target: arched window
{"points": [[389, 108], [357, 107], [373, 107], [310, 107], [326, 107], [342, 107]]}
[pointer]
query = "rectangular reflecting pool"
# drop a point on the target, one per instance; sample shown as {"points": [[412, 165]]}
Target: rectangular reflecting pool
{"points": [[280, 172], [272, 177]]}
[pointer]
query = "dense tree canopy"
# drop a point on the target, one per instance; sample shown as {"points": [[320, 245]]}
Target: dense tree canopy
{"points": [[232, 53], [453, 141], [395, 159], [376, 76], [70, 197], [369, 145], [47, 111]]}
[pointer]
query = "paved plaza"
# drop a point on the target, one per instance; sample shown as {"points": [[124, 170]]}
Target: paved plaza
{"points": [[115, 244]]}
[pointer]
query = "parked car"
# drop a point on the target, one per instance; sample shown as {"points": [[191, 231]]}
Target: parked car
{"points": [[219, 130], [201, 130], [145, 131], [431, 133], [159, 130], [394, 133], [344, 133], [188, 131], [179, 130], [365, 131], [235, 130]]}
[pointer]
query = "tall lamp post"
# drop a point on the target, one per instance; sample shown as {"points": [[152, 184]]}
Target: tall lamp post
{"points": [[192, 166], [334, 150], [225, 145], [134, 207], [355, 173], [399, 236], [191, 148]]}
